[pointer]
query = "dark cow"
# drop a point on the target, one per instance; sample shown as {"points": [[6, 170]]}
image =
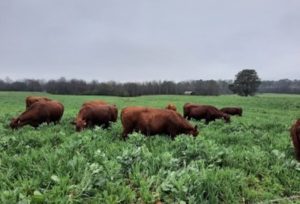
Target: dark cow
{"points": [[232, 110], [295, 135], [95, 114], [187, 108], [206, 112], [32, 99], [152, 121], [171, 106], [38, 113]]}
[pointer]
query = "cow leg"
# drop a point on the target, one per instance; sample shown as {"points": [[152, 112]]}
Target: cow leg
{"points": [[56, 121], [171, 132], [35, 125], [106, 125], [207, 121], [125, 134], [173, 135], [89, 124]]}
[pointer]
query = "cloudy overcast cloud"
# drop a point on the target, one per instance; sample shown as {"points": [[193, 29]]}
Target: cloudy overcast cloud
{"points": [[137, 40]]}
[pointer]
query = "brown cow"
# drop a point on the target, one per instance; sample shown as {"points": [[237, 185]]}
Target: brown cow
{"points": [[207, 112], [187, 108], [96, 102], [171, 106], [38, 113], [295, 135], [232, 110], [92, 102], [152, 121], [32, 99], [95, 114]]}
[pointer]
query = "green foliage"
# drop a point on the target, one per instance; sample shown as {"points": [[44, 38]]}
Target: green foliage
{"points": [[246, 83], [247, 161]]}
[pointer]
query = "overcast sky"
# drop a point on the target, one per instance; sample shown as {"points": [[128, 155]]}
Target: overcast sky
{"points": [[139, 40]]}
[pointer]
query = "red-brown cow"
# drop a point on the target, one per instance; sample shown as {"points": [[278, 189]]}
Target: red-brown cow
{"points": [[32, 99], [151, 121], [38, 113], [171, 106], [295, 135], [206, 112], [187, 108], [95, 114], [95, 102], [232, 110], [92, 102]]}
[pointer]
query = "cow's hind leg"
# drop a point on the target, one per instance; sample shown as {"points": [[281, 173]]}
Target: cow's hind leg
{"points": [[125, 132], [106, 125]]}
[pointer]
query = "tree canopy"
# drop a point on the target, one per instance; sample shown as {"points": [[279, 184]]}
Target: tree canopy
{"points": [[246, 83]]}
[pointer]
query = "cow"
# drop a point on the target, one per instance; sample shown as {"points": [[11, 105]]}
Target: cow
{"points": [[97, 102], [171, 106], [95, 114], [32, 99], [295, 136], [207, 112], [152, 121], [38, 113], [232, 110], [187, 108], [92, 102]]}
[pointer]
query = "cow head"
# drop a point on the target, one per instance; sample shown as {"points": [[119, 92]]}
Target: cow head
{"points": [[226, 118], [80, 124], [15, 123], [171, 107], [194, 131]]}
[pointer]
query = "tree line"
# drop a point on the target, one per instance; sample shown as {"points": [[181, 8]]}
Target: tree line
{"points": [[196, 87]]}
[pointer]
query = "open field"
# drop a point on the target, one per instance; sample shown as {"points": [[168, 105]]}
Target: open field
{"points": [[249, 160]]}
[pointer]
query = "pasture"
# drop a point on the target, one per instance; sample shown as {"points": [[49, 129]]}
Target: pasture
{"points": [[249, 160]]}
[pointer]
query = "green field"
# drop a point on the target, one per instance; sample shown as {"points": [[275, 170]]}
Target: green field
{"points": [[249, 160]]}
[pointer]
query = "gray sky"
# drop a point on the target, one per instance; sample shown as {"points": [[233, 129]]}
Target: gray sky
{"points": [[138, 40]]}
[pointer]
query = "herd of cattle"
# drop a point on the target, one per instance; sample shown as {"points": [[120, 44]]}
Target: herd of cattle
{"points": [[148, 121]]}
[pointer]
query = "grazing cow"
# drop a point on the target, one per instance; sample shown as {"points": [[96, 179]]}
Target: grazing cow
{"points": [[232, 110], [32, 99], [38, 113], [152, 121], [95, 114], [171, 106], [187, 108], [96, 102], [206, 112], [92, 102], [295, 135]]}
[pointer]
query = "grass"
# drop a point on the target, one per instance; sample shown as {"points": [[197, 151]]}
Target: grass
{"points": [[249, 160]]}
